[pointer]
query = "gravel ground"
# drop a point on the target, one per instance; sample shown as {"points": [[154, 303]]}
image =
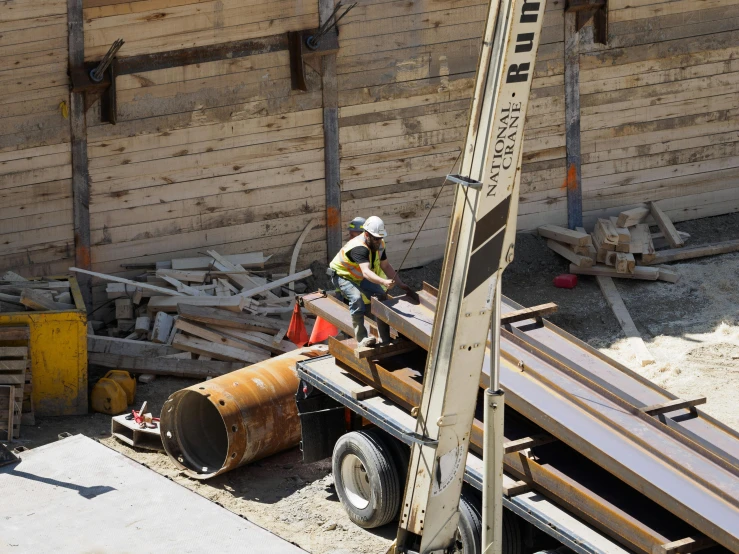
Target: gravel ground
{"points": [[691, 328]]}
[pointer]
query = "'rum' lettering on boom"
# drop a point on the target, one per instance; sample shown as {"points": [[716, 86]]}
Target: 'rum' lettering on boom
{"points": [[520, 72]]}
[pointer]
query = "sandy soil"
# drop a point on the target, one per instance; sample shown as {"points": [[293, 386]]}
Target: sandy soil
{"points": [[691, 328]]}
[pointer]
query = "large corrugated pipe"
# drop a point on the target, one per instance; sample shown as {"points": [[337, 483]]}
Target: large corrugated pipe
{"points": [[240, 417]]}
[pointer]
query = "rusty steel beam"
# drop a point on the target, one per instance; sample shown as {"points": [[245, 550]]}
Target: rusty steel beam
{"points": [[415, 321], [549, 341], [682, 479], [556, 344], [397, 380], [688, 479], [200, 54]]}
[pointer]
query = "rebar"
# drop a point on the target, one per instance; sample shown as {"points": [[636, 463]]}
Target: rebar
{"points": [[314, 41], [96, 74]]}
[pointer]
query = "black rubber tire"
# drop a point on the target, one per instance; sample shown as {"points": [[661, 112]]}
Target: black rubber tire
{"points": [[400, 452], [512, 540], [469, 537], [378, 470], [469, 529]]}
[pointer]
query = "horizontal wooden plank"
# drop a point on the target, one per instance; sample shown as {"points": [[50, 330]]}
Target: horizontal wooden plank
{"points": [[125, 347], [184, 168], [197, 206], [251, 234], [690, 252], [206, 221], [195, 369], [213, 124], [664, 8], [238, 182], [14, 10], [97, 44]]}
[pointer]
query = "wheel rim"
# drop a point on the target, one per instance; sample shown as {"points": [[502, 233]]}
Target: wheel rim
{"points": [[356, 481], [458, 547]]}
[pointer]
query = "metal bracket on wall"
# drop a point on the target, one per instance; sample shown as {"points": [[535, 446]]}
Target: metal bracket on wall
{"points": [[303, 50], [597, 10], [97, 81], [104, 90]]}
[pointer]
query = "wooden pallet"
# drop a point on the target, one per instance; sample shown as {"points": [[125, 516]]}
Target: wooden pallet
{"points": [[15, 372], [8, 418]]}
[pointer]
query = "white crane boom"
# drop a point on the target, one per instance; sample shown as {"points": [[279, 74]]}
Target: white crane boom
{"points": [[479, 247]]}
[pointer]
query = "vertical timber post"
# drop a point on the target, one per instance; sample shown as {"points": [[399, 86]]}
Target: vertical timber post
{"points": [[572, 120], [331, 140], [80, 175]]}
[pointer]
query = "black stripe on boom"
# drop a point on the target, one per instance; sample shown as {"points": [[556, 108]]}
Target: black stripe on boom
{"points": [[490, 223], [484, 262]]}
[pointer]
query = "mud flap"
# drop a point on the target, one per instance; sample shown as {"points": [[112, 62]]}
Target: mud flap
{"points": [[322, 422]]}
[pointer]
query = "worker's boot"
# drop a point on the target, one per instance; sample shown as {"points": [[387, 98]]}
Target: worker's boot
{"points": [[360, 332], [384, 330]]}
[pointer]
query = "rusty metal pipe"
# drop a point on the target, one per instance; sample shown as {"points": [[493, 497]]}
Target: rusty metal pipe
{"points": [[243, 416]]}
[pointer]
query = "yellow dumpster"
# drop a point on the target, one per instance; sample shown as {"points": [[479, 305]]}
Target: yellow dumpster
{"points": [[58, 348]]}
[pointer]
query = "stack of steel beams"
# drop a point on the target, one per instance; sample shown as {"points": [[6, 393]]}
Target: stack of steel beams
{"points": [[681, 467]]}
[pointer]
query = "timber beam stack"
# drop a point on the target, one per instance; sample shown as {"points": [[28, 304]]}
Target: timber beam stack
{"points": [[195, 317], [620, 247]]}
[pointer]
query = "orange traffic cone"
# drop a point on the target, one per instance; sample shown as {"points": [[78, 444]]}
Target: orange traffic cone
{"points": [[322, 330], [296, 332]]}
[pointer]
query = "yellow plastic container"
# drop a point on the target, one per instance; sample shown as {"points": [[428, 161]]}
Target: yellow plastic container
{"points": [[124, 379], [108, 397], [58, 349]]}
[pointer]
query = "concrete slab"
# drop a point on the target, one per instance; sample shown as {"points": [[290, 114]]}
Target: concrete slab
{"points": [[77, 495]]}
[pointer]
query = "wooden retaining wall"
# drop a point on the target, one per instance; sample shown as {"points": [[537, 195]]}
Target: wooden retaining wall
{"points": [[36, 235], [224, 155]]}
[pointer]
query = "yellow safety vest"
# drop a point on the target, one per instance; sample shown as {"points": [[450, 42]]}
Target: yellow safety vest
{"points": [[346, 268]]}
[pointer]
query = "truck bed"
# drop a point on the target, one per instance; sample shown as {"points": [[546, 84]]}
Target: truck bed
{"points": [[325, 375]]}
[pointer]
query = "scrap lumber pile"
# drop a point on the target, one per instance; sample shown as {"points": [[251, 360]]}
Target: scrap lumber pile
{"points": [[18, 294], [620, 246], [195, 317], [15, 381]]}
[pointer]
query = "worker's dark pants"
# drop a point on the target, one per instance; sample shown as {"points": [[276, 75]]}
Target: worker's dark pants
{"points": [[353, 292]]}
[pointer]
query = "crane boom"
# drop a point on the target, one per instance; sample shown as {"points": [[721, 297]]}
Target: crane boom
{"points": [[480, 245]]}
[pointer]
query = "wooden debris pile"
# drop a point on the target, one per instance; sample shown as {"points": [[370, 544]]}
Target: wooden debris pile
{"points": [[623, 246], [195, 317], [18, 294]]}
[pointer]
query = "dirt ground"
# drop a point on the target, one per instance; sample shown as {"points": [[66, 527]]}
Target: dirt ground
{"points": [[691, 328]]}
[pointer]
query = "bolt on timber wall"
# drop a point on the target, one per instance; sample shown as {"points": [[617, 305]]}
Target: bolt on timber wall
{"points": [[36, 235]]}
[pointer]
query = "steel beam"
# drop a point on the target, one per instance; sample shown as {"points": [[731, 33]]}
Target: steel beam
{"points": [[689, 479], [397, 380], [684, 477]]}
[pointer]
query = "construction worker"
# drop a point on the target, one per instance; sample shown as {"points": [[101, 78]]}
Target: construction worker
{"points": [[355, 227], [358, 269]]}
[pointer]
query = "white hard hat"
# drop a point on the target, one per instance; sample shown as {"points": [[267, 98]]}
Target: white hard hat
{"points": [[375, 226]]}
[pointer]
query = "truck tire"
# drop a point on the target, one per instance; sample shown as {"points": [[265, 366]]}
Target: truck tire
{"points": [[400, 452], [366, 479], [512, 541], [469, 531]]}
